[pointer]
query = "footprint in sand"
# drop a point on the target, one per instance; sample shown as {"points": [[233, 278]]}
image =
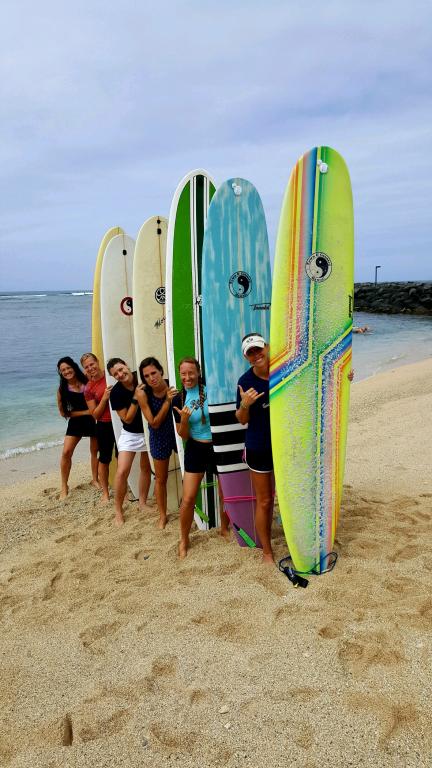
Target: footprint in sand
{"points": [[92, 635], [361, 653], [392, 717]]}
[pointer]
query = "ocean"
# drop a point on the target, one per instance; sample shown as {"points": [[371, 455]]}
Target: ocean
{"points": [[40, 327]]}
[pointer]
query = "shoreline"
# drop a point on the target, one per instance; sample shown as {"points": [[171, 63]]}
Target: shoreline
{"points": [[114, 652]]}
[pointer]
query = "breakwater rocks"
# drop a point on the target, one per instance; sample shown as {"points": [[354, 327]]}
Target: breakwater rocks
{"points": [[394, 298]]}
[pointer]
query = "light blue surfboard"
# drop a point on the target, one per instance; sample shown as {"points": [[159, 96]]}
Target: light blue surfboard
{"points": [[236, 295]]}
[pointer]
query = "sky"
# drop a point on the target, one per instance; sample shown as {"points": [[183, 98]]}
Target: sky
{"points": [[105, 106]]}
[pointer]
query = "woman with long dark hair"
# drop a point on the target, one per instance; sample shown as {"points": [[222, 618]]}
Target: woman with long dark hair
{"points": [[73, 407], [193, 425], [155, 400]]}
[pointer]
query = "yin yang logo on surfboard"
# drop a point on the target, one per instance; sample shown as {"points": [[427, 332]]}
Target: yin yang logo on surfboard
{"points": [[126, 305], [318, 267], [240, 284]]}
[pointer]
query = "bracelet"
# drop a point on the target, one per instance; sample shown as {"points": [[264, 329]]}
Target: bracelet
{"points": [[244, 406], [134, 401]]}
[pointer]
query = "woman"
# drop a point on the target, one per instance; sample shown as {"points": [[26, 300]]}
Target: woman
{"points": [[193, 425], [123, 399], [97, 396], [253, 410], [72, 406], [155, 400]]}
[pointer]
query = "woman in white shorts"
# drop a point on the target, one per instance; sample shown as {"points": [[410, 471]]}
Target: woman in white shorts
{"points": [[131, 441]]}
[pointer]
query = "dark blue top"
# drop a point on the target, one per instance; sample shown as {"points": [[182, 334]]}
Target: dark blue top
{"points": [[162, 440], [258, 431]]}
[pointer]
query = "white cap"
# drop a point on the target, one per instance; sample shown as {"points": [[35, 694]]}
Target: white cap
{"points": [[253, 340]]}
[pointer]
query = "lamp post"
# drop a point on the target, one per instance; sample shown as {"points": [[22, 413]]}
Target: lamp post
{"points": [[378, 266]]}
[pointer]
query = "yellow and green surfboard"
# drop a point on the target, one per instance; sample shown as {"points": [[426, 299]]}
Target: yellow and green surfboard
{"points": [[310, 347]]}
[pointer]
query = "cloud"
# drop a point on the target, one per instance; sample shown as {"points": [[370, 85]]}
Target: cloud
{"points": [[106, 106]]}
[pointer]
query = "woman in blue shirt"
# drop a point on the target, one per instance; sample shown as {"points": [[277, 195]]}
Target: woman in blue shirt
{"points": [[191, 414]]}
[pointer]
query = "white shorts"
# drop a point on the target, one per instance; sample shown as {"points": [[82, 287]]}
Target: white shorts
{"points": [[131, 441]]}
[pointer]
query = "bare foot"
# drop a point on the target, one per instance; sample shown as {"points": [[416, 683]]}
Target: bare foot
{"points": [[105, 498], [268, 558], [63, 493], [161, 523], [225, 532], [183, 548], [119, 519], [96, 484]]}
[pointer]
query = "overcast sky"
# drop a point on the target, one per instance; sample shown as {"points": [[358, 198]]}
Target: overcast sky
{"points": [[106, 105]]}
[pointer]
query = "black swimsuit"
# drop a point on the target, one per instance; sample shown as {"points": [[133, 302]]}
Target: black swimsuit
{"points": [[79, 426]]}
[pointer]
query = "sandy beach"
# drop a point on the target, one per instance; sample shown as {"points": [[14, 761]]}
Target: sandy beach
{"points": [[114, 653]]}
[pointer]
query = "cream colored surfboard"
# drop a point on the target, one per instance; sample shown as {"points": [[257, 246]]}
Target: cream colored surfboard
{"points": [[148, 289], [116, 318], [97, 346]]}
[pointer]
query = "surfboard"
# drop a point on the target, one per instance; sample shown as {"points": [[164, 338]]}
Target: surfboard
{"points": [[148, 290], [116, 319], [97, 345], [186, 223], [236, 295], [310, 346]]}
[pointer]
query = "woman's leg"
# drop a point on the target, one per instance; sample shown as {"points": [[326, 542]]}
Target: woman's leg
{"points": [[103, 479], [191, 484], [263, 487], [94, 462], [124, 464], [69, 445], [161, 478], [144, 479]]}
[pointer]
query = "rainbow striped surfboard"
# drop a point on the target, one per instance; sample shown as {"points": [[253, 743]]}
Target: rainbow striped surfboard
{"points": [[310, 347]]}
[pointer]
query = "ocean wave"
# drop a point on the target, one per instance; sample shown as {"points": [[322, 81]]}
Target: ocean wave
{"points": [[10, 297], [82, 293], [12, 452]]}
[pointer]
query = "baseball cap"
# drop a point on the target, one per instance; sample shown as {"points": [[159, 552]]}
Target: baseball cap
{"points": [[252, 340]]}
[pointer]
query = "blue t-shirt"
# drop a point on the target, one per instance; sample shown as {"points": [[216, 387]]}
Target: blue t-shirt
{"points": [[258, 431], [197, 430]]}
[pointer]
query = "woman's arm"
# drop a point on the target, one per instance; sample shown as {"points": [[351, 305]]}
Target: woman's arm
{"points": [[97, 409], [247, 399], [60, 405], [156, 421], [182, 426]]}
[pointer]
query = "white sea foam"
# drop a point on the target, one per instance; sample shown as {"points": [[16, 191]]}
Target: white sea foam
{"points": [[12, 452]]}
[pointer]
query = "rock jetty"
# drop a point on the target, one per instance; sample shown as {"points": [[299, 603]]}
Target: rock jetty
{"points": [[394, 298]]}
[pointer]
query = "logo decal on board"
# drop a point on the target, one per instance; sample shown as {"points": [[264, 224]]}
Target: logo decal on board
{"points": [[318, 267], [160, 294], [126, 305], [240, 284]]}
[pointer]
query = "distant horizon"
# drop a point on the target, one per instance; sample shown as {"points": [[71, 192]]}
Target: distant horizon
{"points": [[4, 291]]}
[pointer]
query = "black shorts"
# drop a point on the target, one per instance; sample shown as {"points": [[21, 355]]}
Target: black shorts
{"points": [[106, 441], [81, 426], [199, 457], [259, 461]]}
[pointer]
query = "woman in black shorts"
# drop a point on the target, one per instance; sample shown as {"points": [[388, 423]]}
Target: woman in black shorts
{"points": [[253, 410], [72, 406], [193, 425], [155, 399], [97, 395]]}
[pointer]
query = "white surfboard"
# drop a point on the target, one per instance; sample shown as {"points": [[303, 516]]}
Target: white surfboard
{"points": [[116, 319], [148, 289]]}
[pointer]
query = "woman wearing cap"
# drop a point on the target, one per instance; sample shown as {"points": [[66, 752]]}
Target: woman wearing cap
{"points": [[253, 410], [123, 399]]}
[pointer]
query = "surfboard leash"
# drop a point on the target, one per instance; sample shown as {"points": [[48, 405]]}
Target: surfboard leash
{"points": [[297, 577]]}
